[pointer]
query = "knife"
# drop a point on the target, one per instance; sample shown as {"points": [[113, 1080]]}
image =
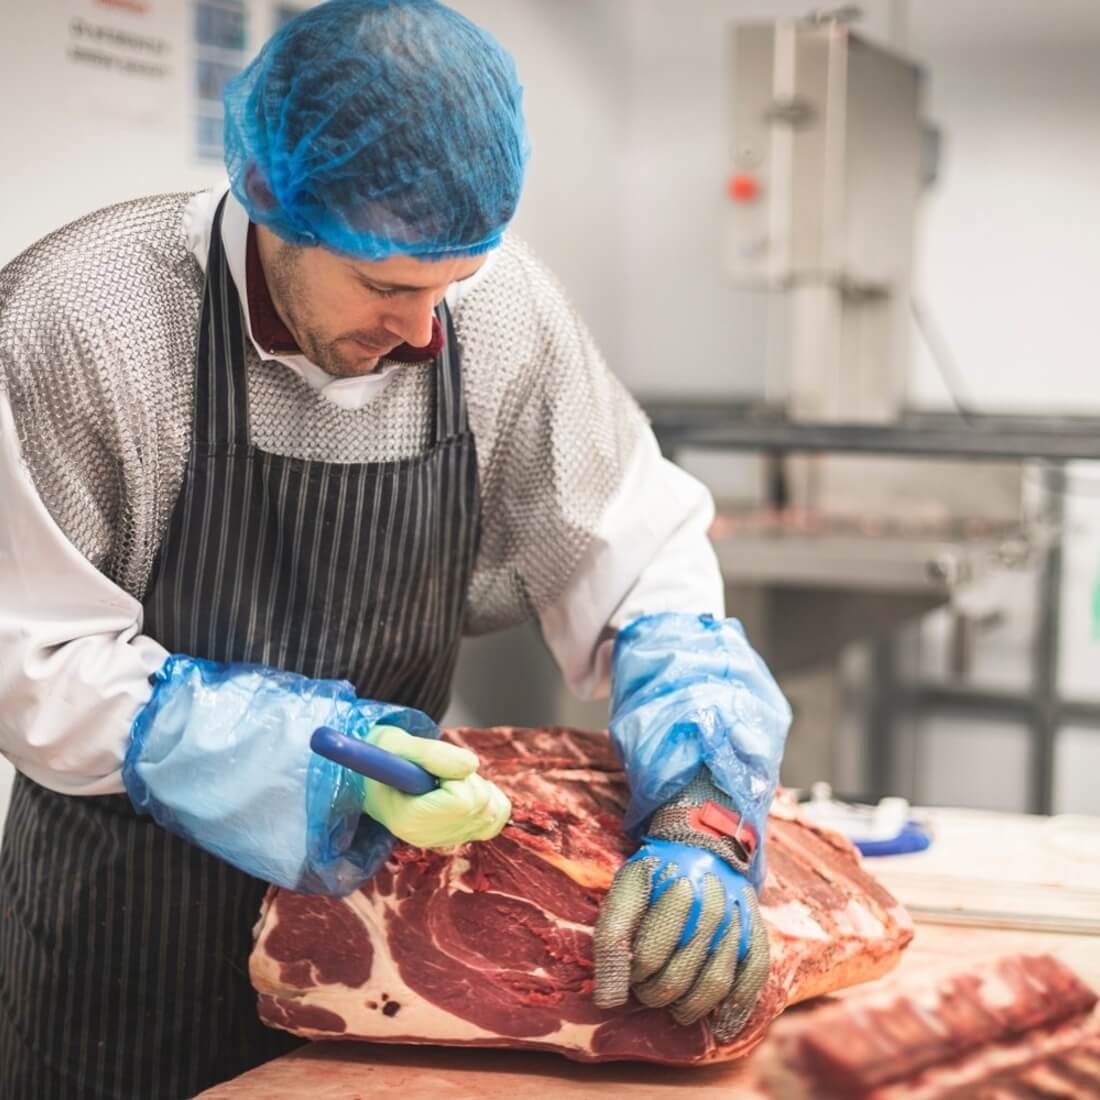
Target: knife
{"points": [[373, 762]]}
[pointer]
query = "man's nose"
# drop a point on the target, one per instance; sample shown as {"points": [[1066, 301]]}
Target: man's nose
{"points": [[412, 319]]}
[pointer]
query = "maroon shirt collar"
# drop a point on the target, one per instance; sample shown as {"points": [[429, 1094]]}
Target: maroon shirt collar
{"points": [[275, 338]]}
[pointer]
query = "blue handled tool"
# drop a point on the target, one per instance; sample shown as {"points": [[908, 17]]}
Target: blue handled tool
{"points": [[373, 762], [914, 837]]}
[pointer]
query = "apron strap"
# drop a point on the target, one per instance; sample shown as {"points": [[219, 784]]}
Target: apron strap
{"points": [[221, 379], [450, 400]]}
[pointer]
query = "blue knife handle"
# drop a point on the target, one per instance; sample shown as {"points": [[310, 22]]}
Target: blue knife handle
{"points": [[373, 762]]}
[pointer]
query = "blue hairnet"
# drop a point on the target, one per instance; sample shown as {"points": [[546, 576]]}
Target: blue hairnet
{"points": [[379, 128]]}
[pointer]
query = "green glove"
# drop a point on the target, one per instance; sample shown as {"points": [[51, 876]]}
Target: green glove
{"points": [[681, 925], [463, 807]]}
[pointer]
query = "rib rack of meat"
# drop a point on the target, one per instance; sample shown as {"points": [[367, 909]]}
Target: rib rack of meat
{"points": [[1021, 1026], [490, 944]]}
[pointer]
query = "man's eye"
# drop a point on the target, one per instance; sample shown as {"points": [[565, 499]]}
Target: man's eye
{"points": [[379, 293]]}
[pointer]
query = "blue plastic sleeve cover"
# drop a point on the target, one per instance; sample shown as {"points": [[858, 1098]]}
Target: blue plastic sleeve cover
{"points": [[220, 756], [689, 691]]}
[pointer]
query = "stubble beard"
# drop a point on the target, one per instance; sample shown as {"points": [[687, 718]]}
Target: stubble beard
{"points": [[331, 357], [336, 357]]}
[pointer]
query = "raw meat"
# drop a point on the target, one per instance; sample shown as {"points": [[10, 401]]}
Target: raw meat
{"points": [[490, 944], [1023, 1026], [1016, 1029]]}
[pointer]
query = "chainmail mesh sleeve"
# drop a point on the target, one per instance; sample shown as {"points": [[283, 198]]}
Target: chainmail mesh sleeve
{"points": [[97, 327], [555, 430]]}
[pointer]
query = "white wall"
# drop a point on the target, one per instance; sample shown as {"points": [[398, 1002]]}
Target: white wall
{"points": [[1008, 254], [1010, 243], [690, 332]]}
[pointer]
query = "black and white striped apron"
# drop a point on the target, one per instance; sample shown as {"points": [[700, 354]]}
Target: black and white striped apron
{"points": [[123, 949]]}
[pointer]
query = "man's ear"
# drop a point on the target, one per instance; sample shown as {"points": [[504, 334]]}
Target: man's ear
{"points": [[255, 186]]}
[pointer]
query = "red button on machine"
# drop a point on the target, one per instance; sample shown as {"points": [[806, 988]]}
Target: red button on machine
{"points": [[743, 187]]}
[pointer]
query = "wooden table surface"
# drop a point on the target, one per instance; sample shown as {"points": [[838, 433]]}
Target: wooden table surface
{"points": [[364, 1071]]}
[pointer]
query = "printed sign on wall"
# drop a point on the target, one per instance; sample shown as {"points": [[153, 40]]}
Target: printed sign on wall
{"points": [[124, 51]]}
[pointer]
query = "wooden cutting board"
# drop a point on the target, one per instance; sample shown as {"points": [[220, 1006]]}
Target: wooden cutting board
{"points": [[1002, 870], [361, 1071]]}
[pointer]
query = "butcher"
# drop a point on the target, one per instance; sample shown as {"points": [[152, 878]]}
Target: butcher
{"points": [[266, 453]]}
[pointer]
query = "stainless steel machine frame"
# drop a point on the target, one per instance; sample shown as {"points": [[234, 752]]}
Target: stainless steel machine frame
{"points": [[1010, 439], [826, 173]]}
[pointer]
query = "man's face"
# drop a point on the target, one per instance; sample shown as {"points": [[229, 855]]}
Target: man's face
{"points": [[347, 314]]}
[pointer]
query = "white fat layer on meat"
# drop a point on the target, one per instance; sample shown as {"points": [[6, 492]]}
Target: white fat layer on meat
{"points": [[794, 920], [259, 923], [566, 739], [995, 992], [783, 808], [577, 774], [900, 915], [858, 920], [926, 1005]]}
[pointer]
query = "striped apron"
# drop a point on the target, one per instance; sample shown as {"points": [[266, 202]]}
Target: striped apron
{"points": [[123, 949]]}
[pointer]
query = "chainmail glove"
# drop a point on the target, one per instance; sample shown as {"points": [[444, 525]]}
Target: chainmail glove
{"points": [[680, 926]]}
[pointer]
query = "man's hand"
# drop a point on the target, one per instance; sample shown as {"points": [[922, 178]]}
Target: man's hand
{"points": [[681, 926], [463, 807]]}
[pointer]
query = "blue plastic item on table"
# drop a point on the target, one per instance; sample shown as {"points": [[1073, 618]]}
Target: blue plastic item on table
{"points": [[912, 838]]}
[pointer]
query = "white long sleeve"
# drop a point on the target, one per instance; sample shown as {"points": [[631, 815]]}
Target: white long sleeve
{"points": [[651, 553], [74, 666]]}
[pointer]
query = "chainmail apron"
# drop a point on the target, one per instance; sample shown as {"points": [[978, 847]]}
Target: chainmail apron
{"points": [[123, 949]]}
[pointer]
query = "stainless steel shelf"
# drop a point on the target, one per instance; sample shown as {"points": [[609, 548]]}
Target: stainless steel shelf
{"points": [[744, 427], [926, 566]]}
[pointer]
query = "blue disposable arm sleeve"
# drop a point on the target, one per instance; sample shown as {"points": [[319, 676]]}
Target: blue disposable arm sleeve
{"points": [[220, 756], [687, 691]]}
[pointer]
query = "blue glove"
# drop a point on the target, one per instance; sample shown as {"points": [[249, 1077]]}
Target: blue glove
{"points": [[688, 691], [220, 756], [680, 927]]}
